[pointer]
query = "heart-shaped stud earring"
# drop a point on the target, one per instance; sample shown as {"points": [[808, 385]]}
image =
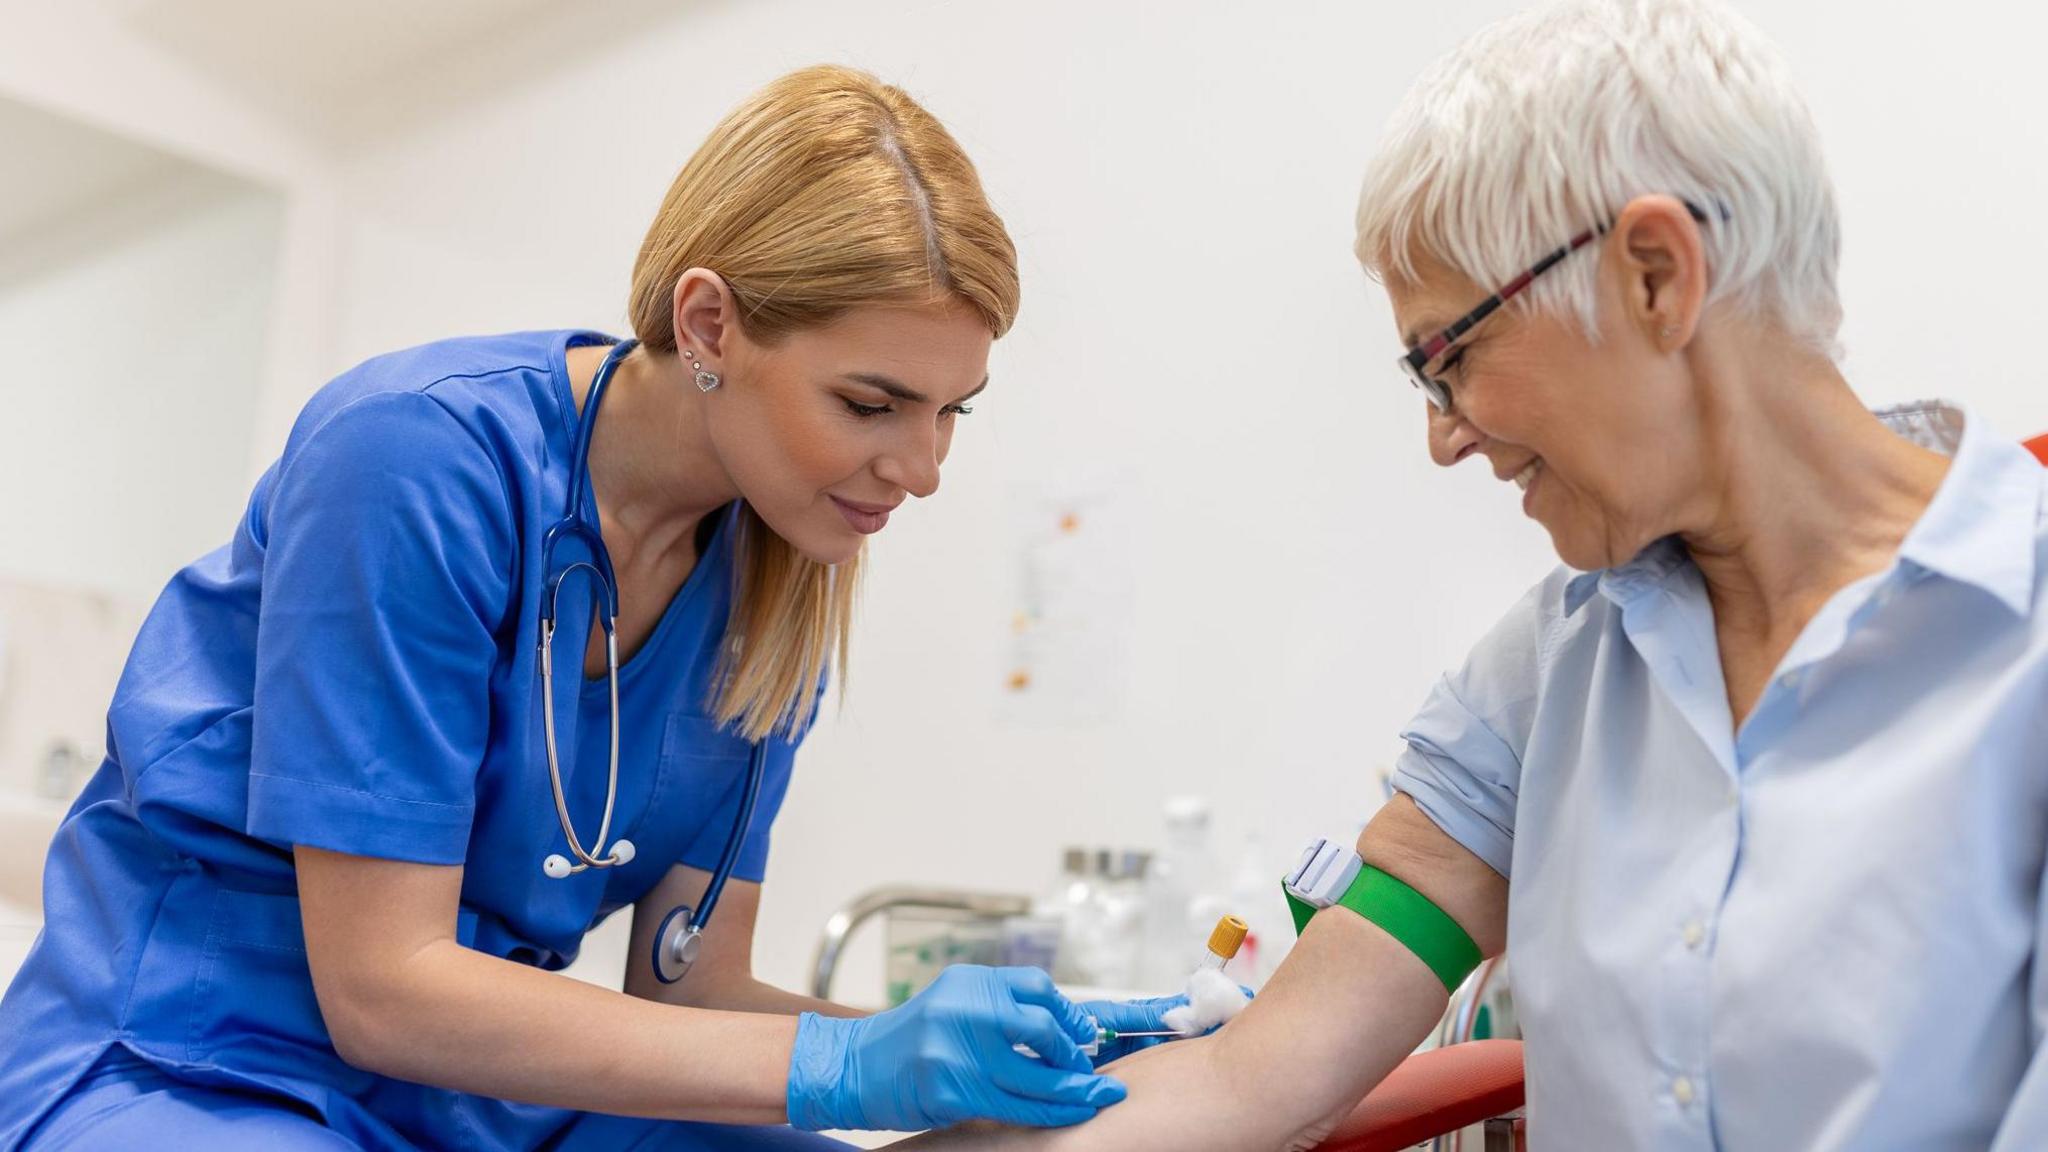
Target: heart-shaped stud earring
{"points": [[706, 381]]}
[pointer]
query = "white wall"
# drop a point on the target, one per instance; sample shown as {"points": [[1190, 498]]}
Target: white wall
{"points": [[1180, 180], [136, 294], [90, 61], [135, 364]]}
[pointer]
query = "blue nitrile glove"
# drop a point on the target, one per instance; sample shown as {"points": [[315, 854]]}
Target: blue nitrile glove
{"points": [[1131, 1016], [1135, 1016], [946, 1057]]}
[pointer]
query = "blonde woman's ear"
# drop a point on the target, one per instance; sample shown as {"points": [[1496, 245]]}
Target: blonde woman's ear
{"points": [[701, 312]]}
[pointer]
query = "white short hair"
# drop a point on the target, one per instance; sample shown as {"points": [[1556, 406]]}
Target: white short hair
{"points": [[1547, 123]]}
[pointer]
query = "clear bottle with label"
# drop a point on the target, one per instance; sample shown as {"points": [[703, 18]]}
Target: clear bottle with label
{"points": [[1081, 922], [1181, 899], [1114, 919], [1255, 895], [1052, 911]]}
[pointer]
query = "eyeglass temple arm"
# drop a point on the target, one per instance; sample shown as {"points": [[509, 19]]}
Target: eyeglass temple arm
{"points": [[1423, 353]]}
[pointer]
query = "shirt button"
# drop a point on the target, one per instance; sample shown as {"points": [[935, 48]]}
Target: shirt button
{"points": [[1790, 681], [1682, 1091], [1695, 934]]}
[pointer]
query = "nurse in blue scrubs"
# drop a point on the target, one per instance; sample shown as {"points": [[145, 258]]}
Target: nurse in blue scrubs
{"points": [[303, 904]]}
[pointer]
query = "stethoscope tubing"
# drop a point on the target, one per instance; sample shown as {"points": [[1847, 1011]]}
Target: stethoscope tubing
{"points": [[574, 524]]}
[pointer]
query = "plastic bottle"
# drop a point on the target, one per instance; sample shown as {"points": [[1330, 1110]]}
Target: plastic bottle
{"points": [[1111, 944], [1073, 902], [1180, 894], [1068, 887], [1255, 896], [1032, 940]]}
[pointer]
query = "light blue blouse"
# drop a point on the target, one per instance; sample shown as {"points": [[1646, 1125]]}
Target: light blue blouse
{"points": [[1824, 930]]}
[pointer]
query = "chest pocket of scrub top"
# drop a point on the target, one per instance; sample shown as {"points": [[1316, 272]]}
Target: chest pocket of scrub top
{"points": [[254, 988], [696, 788]]}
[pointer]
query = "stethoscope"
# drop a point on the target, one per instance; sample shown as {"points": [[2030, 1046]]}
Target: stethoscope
{"points": [[678, 940]]}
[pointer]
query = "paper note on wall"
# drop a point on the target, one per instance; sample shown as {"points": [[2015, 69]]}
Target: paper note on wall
{"points": [[1070, 629]]}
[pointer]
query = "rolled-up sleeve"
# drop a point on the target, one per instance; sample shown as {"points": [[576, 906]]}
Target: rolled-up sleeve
{"points": [[1463, 762], [1462, 775]]}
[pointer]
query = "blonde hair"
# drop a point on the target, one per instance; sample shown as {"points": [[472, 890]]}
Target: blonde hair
{"points": [[826, 191], [1548, 122]]}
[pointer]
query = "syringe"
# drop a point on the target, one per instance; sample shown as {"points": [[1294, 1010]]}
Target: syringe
{"points": [[1102, 1036]]}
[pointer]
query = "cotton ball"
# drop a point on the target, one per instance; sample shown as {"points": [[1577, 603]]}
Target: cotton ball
{"points": [[1213, 1001]]}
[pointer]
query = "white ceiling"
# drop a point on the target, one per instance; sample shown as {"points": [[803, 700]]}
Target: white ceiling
{"points": [[315, 49], [340, 68], [60, 167]]}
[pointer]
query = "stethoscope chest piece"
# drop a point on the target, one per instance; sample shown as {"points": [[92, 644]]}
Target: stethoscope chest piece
{"points": [[676, 944]]}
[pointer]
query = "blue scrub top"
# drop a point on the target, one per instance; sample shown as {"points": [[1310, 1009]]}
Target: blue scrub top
{"points": [[357, 671]]}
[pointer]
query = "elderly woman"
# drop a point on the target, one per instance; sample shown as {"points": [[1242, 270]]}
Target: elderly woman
{"points": [[1753, 787]]}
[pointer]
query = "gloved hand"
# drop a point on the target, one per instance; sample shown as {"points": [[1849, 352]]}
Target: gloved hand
{"points": [[1131, 1016], [946, 1057], [1135, 1016]]}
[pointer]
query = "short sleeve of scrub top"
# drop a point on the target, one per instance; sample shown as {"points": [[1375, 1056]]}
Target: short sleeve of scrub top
{"points": [[375, 638], [356, 671], [1463, 761]]}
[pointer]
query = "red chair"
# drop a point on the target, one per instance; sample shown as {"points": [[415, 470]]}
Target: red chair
{"points": [[1440, 1091]]}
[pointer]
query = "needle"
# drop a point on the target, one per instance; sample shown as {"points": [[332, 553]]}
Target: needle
{"points": [[1102, 1036]]}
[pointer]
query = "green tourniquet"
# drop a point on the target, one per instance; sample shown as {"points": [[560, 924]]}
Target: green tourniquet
{"points": [[1407, 916], [1301, 909]]}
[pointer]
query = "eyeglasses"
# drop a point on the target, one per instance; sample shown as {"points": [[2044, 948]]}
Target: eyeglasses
{"points": [[1417, 360]]}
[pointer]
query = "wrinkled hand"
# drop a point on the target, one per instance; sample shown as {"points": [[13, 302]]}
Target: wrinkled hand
{"points": [[947, 1057]]}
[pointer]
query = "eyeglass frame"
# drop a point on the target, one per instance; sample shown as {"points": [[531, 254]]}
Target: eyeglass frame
{"points": [[1419, 356]]}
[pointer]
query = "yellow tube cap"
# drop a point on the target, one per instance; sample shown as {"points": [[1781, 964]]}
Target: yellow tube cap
{"points": [[1228, 936]]}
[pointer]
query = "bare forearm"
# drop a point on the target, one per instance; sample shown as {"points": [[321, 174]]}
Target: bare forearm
{"points": [[746, 994], [723, 976], [460, 1019], [1347, 1007]]}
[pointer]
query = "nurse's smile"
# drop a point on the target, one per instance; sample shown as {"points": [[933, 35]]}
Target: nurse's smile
{"points": [[866, 519]]}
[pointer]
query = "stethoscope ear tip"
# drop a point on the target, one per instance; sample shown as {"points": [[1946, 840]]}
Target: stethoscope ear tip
{"points": [[557, 866]]}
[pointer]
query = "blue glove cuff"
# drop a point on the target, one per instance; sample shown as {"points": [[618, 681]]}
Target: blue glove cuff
{"points": [[817, 1096]]}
